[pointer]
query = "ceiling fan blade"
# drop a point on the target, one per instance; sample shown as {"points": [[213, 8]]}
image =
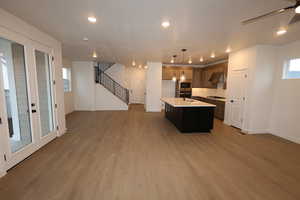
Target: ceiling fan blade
{"points": [[295, 19], [275, 12]]}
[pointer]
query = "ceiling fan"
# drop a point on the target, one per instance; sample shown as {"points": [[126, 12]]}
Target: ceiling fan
{"points": [[294, 20]]}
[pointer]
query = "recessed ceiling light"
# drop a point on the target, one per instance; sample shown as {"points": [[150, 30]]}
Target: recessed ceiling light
{"points": [[92, 19], [85, 39], [140, 66], [228, 50], [172, 61], [281, 31], [297, 10], [146, 67], [133, 63], [213, 55], [201, 59], [165, 24]]}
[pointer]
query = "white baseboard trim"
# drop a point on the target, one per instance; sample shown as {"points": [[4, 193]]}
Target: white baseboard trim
{"points": [[110, 108], [227, 123], [62, 132], [286, 137], [257, 131]]}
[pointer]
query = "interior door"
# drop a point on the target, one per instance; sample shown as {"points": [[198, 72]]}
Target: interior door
{"points": [[137, 86], [237, 98], [15, 94]]}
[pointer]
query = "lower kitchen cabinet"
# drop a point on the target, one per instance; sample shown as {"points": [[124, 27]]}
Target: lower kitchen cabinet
{"points": [[219, 110]]}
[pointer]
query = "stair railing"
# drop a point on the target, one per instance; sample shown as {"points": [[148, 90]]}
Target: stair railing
{"points": [[110, 84]]}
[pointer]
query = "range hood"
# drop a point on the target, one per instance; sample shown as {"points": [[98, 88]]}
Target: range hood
{"points": [[216, 77]]}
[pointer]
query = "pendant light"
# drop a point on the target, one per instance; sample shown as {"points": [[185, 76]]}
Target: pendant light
{"points": [[133, 63], [213, 55], [182, 77], [174, 79], [228, 50], [173, 58], [95, 54], [190, 60], [183, 50]]}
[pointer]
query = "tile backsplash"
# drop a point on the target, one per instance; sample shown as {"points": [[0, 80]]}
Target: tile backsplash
{"points": [[209, 92]]}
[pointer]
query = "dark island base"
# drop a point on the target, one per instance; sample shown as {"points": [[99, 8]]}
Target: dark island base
{"points": [[191, 119]]}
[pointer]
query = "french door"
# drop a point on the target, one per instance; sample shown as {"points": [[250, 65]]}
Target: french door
{"points": [[27, 109]]}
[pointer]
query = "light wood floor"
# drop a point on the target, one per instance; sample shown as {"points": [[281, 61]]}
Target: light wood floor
{"points": [[136, 155]]}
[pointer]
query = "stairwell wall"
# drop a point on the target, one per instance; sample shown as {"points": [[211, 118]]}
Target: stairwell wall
{"points": [[89, 96]]}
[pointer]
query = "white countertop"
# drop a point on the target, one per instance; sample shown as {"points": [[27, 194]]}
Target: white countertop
{"points": [[216, 99], [179, 102]]}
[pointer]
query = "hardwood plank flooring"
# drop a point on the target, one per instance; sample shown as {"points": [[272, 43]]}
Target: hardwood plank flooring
{"points": [[133, 155]]}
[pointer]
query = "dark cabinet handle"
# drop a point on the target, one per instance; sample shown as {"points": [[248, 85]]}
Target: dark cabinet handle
{"points": [[33, 111], [231, 101], [33, 104]]}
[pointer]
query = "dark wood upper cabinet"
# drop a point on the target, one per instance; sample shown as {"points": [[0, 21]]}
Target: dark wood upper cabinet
{"points": [[197, 78], [206, 77], [169, 72]]}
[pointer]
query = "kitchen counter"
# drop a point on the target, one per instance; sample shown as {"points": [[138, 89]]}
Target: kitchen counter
{"points": [[212, 98], [180, 102], [189, 116]]}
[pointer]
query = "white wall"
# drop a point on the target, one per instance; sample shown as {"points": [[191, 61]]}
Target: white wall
{"points": [[261, 89], [153, 86], [272, 103], [105, 100], [84, 85], [117, 72], [89, 96], [13, 27], [285, 115], [259, 62], [136, 83], [68, 96]]}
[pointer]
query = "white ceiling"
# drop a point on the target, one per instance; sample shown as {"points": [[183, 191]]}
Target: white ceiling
{"points": [[131, 29]]}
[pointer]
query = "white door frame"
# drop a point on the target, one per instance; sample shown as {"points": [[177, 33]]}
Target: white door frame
{"points": [[46, 139], [14, 158], [243, 101], [5, 148]]}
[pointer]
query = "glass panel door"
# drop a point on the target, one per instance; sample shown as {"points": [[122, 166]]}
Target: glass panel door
{"points": [[14, 77], [44, 80]]}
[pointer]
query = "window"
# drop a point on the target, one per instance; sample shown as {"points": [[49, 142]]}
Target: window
{"points": [[67, 79], [292, 69]]}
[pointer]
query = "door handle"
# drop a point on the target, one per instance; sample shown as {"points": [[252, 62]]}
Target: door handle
{"points": [[231, 101]]}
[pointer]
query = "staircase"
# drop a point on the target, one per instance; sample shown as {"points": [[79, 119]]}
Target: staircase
{"points": [[109, 83]]}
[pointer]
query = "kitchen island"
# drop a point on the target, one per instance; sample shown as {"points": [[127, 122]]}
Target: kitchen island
{"points": [[189, 115]]}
